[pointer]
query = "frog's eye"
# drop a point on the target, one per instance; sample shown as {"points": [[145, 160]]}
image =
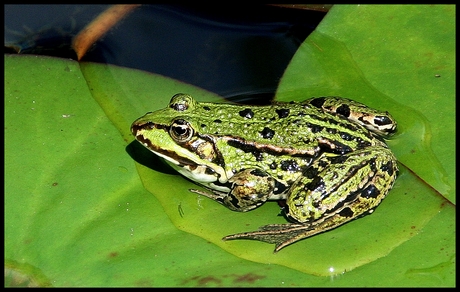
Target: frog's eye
{"points": [[181, 131]]}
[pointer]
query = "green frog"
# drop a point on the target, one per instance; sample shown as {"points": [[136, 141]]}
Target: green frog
{"points": [[325, 156]]}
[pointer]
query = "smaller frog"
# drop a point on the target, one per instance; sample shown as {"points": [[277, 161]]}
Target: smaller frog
{"points": [[325, 156]]}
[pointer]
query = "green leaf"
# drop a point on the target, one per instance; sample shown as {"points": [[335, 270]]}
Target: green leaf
{"points": [[80, 212]]}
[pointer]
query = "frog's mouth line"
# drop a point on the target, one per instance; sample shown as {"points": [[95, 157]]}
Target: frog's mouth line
{"points": [[192, 170], [172, 156], [166, 154]]}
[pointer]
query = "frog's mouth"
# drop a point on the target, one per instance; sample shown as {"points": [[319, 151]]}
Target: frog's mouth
{"points": [[168, 155], [194, 170]]}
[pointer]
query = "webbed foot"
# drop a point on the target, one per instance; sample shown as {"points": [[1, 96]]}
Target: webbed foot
{"points": [[279, 234]]}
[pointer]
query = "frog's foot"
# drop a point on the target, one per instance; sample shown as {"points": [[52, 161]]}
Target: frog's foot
{"points": [[279, 234]]}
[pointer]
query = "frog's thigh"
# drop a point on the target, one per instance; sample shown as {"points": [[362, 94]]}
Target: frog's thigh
{"points": [[340, 188]]}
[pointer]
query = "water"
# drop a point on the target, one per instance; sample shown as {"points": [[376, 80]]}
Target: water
{"points": [[235, 51]]}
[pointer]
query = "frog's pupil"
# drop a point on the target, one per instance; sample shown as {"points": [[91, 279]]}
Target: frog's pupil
{"points": [[180, 130]]}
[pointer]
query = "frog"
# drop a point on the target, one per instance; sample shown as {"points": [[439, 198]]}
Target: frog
{"points": [[325, 157]]}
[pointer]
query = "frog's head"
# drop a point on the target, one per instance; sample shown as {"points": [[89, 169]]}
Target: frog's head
{"points": [[172, 134]]}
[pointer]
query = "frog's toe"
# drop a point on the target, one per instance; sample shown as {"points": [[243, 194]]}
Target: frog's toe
{"points": [[279, 234]]}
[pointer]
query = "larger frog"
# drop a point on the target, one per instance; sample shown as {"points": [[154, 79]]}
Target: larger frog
{"points": [[325, 156]]}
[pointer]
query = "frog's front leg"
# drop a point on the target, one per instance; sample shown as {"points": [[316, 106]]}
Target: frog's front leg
{"points": [[248, 189], [333, 191]]}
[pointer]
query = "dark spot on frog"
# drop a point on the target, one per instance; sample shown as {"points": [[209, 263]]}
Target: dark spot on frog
{"points": [[282, 113], [372, 164], [338, 159], [370, 192], [206, 108], [343, 110], [258, 172], [306, 165], [346, 136], [382, 120], [334, 147], [323, 163], [310, 172], [258, 155], [273, 165], [235, 200], [217, 121], [315, 128], [388, 167], [247, 113], [316, 184], [267, 133], [346, 212], [289, 165], [203, 126], [280, 187], [331, 130], [362, 143], [316, 203], [317, 102]]}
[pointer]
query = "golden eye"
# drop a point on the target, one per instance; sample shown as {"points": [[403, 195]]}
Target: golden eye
{"points": [[181, 131]]}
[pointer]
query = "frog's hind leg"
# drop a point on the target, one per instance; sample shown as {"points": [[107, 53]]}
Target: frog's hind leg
{"points": [[333, 191], [279, 234]]}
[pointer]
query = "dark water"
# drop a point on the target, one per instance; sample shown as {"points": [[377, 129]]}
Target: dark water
{"points": [[239, 52]]}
